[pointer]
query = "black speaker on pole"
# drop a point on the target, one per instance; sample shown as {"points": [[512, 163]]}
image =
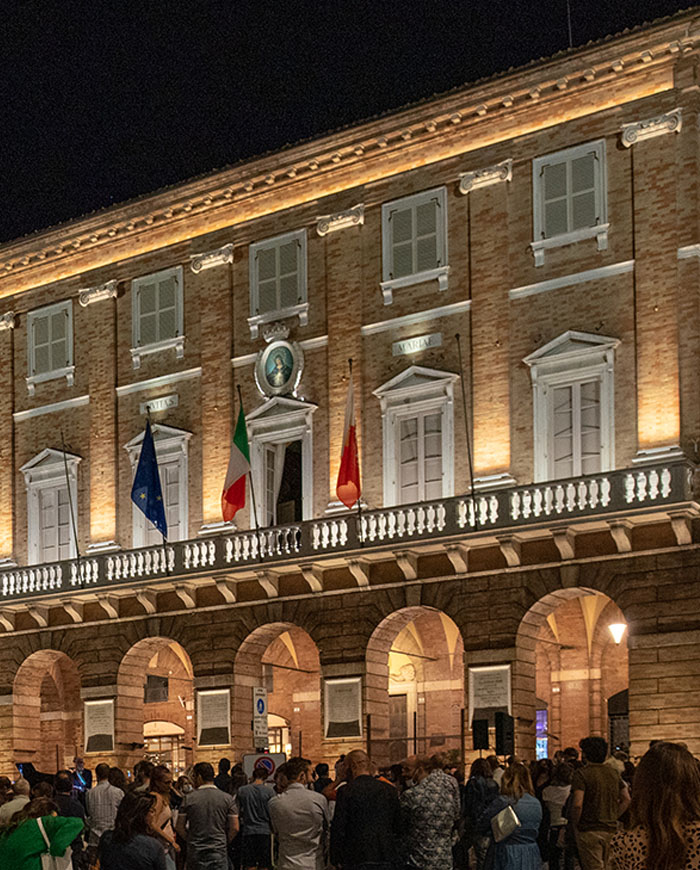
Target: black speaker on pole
{"points": [[505, 734], [480, 733]]}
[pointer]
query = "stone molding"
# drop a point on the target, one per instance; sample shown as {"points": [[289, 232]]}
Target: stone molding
{"points": [[108, 290], [211, 259], [7, 321], [352, 217], [671, 122], [485, 177]]}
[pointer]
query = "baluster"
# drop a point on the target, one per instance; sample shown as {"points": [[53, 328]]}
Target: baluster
{"points": [[515, 505], [171, 559], [527, 503], [665, 483], [641, 485], [582, 495], [430, 517], [605, 492], [559, 498], [629, 488], [570, 496], [653, 483], [593, 492]]}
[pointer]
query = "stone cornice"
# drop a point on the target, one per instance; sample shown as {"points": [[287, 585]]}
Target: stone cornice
{"points": [[639, 64]]}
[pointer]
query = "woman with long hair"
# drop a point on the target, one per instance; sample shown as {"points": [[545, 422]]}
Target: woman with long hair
{"points": [[36, 830], [162, 827], [479, 791], [665, 814], [519, 850], [130, 844]]}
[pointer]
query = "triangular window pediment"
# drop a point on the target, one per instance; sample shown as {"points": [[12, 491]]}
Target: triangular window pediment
{"points": [[571, 345], [416, 379], [281, 410], [49, 463], [167, 439]]}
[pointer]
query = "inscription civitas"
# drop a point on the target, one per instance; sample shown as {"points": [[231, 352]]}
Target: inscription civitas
{"points": [[417, 344], [152, 406]]}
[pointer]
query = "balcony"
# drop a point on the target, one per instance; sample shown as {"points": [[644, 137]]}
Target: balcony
{"points": [[616, 502]]}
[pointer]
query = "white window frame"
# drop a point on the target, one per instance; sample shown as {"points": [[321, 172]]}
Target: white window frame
{"points": [[171, 445], [388, 283], [573, 357], [278, 421], [301, 309], [47, 470], [414, 390], [67, 371], [600, 230], [178, 341]]}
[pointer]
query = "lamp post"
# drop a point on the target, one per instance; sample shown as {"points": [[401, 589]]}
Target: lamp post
{"points": [[617, 630]]}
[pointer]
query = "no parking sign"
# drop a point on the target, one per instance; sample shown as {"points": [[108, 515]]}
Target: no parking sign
{"points": [[270, 761], [260, 718]]}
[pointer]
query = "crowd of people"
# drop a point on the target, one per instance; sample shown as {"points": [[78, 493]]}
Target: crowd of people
{"points": [[583, 810]]}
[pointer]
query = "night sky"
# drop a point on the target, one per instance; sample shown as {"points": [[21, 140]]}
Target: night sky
{"points": [[104, 101]]}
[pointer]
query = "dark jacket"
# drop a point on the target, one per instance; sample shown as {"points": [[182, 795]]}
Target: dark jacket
{"points": [[366, 827]]}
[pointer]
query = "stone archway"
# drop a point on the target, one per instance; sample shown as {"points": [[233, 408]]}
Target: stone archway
{"points": [[283, 658], [414, 686], [155, 686], [565, 655], [47, 711]]}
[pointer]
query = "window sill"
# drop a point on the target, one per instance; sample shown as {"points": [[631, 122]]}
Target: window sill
{"points": [[178, 343], [301, 311], [600, 233], [68, 372], [440, 274]]}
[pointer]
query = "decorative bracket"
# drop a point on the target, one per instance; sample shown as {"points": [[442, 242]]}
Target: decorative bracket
{"points": [[313, 576], [331, 223], [7, 321], [510, 548], [408, 563], [469, 181], [269, 581], [671, 122], [147, 599], [359, 568], [219, 257], [621, 531], [185, 593], [108, 290]]}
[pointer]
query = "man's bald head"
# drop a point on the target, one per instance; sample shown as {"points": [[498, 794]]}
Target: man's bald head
{"points": [[358, 762]]}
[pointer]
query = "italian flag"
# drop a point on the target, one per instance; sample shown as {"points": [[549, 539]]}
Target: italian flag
{"points": [[348, 486], [233, 496]]}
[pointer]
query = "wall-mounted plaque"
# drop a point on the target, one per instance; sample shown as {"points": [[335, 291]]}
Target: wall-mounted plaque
{"points": [[278, 368], [99, 725], [489, 692], [343, 707], [213, 717]]}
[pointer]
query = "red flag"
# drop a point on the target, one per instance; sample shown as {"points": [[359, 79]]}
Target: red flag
{"points": [[348, 486]]}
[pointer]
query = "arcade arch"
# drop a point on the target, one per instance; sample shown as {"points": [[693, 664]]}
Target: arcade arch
{"points": [[415, 684], [47, 711], [284, 658], [568, 667], [155, 704]]}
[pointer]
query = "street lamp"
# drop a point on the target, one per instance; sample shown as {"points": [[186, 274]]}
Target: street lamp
{"points": [[617, 630]]}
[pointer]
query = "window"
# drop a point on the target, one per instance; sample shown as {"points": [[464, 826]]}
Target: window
{"points": [[572, 379], [278, 280], [50, 344], [155, 690], [171, 453], [414, 241], [281, 455], [157, 314], [418, 437], [570, 198], [51, 481]]}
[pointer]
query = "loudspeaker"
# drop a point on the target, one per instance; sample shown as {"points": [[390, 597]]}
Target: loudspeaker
{"points": [[505, 734], [480, 733]]}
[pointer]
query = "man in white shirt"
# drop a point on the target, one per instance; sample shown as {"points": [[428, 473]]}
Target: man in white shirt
{"points": [[102, 804], [300, 818], [21, 791]]}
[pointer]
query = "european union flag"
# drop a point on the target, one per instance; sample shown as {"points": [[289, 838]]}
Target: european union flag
{"points": [[146, 493]]}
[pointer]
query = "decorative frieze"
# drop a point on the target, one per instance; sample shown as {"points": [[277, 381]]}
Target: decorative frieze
{"points": [[7, 320], [671, 122], [108, 290], [352, 217], [209, 260], [469, 181]]}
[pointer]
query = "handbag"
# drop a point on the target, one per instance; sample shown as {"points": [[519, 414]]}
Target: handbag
{"points": [[54, 862], [504, 823]]}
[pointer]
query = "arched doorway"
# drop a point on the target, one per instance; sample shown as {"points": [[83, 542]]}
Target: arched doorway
{"points": [[567, 666], [155, 707], [284, 659], [414, 685], [47, 711]]}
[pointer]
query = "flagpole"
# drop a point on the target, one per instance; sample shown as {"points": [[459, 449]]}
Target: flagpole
{"points": [[466, 431], [359, 497], [72, 510], [165, 540], [250, 480]]}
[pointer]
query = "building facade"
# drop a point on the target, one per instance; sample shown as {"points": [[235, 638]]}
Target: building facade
{"points": [[529, 246]]}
